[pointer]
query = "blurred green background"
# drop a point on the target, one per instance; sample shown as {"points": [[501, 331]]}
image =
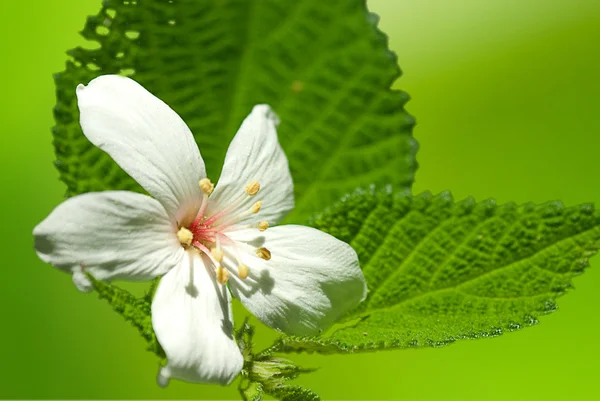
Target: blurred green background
{"points": [[507, 98]]}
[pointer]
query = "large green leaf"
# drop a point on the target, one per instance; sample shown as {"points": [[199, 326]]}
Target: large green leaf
{"points": [[440, 271], [324, 68]]}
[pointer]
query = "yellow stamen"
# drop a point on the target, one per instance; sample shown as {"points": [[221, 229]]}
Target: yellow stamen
{"points": [[263, 225], [217, 253], [243, 271], [222, 274], [253, 188], [185, 236], [206, 186], [256, 207], [263, 253]]}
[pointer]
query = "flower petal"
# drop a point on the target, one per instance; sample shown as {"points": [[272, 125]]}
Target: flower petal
{"points": [[255, 155], [146, 138], [191, 315], [82, 282], [112, 234], [310, 281]]}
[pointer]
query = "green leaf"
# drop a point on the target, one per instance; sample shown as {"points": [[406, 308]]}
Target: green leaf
{"points": [[439, 271], [325, 69], [287, 392]]}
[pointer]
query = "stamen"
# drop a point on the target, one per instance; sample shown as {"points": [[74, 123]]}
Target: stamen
{"points": [[236, 254], [208, 253], [263, 225], [185, 236], [214, 218], [235, 217], [201, 210], [242, 268], [222, 274], [191, 277], [256, 207], [206, 186], [263, 253], [243, 271], [253, 188], [217, 251]]}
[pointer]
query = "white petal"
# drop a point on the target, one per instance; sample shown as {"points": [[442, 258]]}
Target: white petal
{"points": [[191, 315], [255, 154], [112, 234], [146, 138], [82, 282], [311, 280]]}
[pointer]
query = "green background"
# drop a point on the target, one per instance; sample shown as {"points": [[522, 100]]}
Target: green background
{"points": [[506, 94]]}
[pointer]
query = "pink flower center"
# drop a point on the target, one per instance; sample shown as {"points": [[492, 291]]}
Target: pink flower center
{"points": [[207, 233]]}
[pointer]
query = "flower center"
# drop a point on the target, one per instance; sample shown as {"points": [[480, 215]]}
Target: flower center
{"points": [[207, 233]]}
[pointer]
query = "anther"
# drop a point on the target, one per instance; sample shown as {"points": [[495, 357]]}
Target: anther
{"points": [[222, 274], [206, 186], [243, 271], [263, 253], [256, 207], [185, 236], [253, 188], [263, 225]]}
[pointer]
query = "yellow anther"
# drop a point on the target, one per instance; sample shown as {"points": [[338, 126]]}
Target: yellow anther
{"points": [[243, 271], [206, 186], [263, 253], [253, 188], [263, 225], [256, 207], [217, 253], [185, 236], [222, 274]]}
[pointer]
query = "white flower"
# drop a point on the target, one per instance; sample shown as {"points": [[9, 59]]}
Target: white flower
{"points": [[295, 279]]}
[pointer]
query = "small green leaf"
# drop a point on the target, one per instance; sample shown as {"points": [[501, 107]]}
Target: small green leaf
{"points": [[251, 391], [324, 68], [439, 271], [265, 373]]}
